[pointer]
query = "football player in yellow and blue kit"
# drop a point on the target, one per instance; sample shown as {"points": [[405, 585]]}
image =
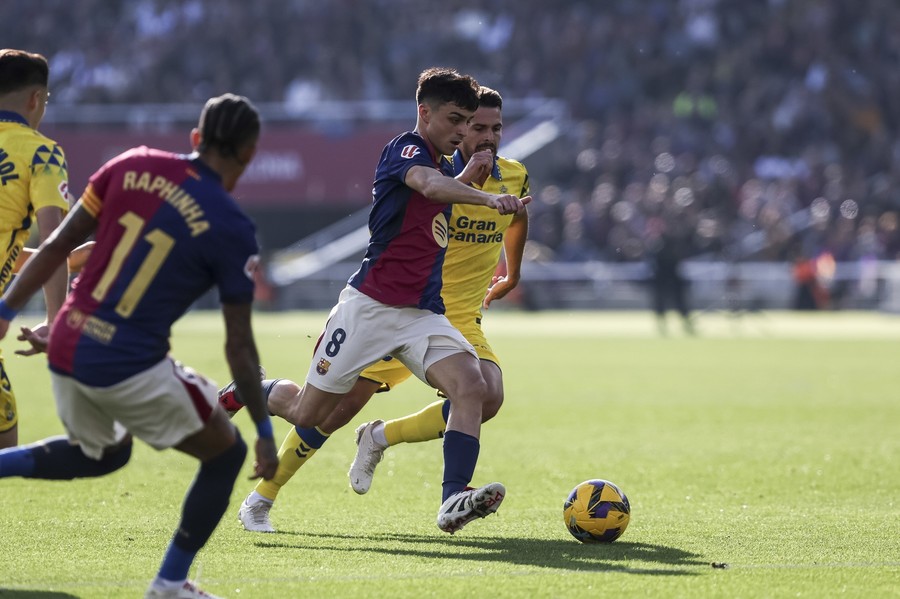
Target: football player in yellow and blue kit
{"points": [[478, 237], [33, 186]]}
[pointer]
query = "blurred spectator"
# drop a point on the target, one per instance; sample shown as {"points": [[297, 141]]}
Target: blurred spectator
{"points": [[765, 122]]}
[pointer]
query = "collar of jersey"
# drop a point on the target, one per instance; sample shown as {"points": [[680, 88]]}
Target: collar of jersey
{"points": [[459, 164], [8, 116], [194, 157]]}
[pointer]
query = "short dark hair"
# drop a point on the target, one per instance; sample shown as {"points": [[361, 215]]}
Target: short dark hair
{"points": [[489, 97], [444, 86], [20, 69], [227, 123]]}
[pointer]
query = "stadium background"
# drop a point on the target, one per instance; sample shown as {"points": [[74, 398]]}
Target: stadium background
{"points": [[763, 132]]}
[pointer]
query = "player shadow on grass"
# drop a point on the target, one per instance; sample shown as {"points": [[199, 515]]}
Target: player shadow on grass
{"points": [[621, 556], [26, 594]]}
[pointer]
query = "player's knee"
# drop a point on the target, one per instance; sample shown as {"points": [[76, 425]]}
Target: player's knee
{"points": [[491, 406], [237, 453], [310, 408], [306, 419], [281, 396], [116, 457], [470, 392], [305, 415], [228, 463]]}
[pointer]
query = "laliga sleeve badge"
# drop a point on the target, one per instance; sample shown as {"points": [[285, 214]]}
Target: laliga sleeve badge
{"points": [[323, 366], [410, 151]]}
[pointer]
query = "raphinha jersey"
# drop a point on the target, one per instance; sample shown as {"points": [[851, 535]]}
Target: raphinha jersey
{"points": [[115, 323]]}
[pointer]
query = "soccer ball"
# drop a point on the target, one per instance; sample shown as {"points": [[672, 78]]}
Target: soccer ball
{"points": [[596, 511]]}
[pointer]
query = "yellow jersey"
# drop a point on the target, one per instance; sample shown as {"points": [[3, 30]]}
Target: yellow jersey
{"points": [[473, 251], [476, 241], [33, 175]]}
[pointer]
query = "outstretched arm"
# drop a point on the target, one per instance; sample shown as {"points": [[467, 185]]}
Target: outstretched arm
{"points": [[47, 261], [39, 336], [514, 249], [437, 187]]}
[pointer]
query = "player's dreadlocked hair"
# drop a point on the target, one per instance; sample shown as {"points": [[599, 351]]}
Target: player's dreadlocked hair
{"points": [[227, 123], [19, 69], [439, 85]]}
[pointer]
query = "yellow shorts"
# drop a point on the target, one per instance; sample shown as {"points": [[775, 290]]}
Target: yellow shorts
{"points": [[8, 415], [391, 372]]}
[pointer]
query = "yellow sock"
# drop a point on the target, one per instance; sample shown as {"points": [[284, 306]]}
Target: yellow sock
{"points": [[294, 452], [425, 425]]}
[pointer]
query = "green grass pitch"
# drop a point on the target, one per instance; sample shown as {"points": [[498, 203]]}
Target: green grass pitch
{"points": [[768, 442]]}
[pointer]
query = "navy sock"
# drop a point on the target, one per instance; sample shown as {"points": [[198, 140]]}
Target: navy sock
{"points": [[311, 436], [445, 410], [204, 505], [16, 461], [460, 457], [57, 459]]}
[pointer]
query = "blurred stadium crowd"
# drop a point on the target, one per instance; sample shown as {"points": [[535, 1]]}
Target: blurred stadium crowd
{"points": [[751, 129]]}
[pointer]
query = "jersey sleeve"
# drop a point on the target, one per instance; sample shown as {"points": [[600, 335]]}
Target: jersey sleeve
{"points": [[403, 153], [49, 177], [98, 185]]}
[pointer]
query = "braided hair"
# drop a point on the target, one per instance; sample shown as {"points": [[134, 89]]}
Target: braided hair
{"points": [[227, 123]]}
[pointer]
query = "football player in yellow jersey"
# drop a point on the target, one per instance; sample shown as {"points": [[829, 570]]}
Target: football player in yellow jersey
{"points": [[33, 186], [478, 238]]}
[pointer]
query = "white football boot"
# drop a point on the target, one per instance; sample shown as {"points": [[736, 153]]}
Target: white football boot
{"points": [[368, 454], [465, 506], [188, 590], [255, 516]]}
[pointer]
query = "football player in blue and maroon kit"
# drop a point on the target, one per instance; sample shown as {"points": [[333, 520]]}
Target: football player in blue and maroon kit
{"points": [[167, 230], [392, 305]]}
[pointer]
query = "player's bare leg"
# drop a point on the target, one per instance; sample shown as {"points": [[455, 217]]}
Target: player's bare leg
{"points": [[460, 376], [306, 409], [372, 438], [298, 447], [9, 438]]}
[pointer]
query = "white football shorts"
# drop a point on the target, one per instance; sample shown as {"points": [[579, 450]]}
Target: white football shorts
{"points": [[361, 331], [162, 406]]}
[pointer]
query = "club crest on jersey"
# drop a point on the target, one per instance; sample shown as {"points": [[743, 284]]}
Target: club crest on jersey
{"points": [[252, 267], [323, 366], [64, 190], [410, 151], [440, 229]]}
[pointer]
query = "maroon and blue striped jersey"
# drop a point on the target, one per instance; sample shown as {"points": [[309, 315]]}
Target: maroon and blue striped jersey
{"points": [[167, 232], [409, 232]]}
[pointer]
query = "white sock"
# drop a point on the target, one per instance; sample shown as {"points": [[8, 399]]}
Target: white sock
{"points": [[257, 498], [164, 584], [378, 435]]}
